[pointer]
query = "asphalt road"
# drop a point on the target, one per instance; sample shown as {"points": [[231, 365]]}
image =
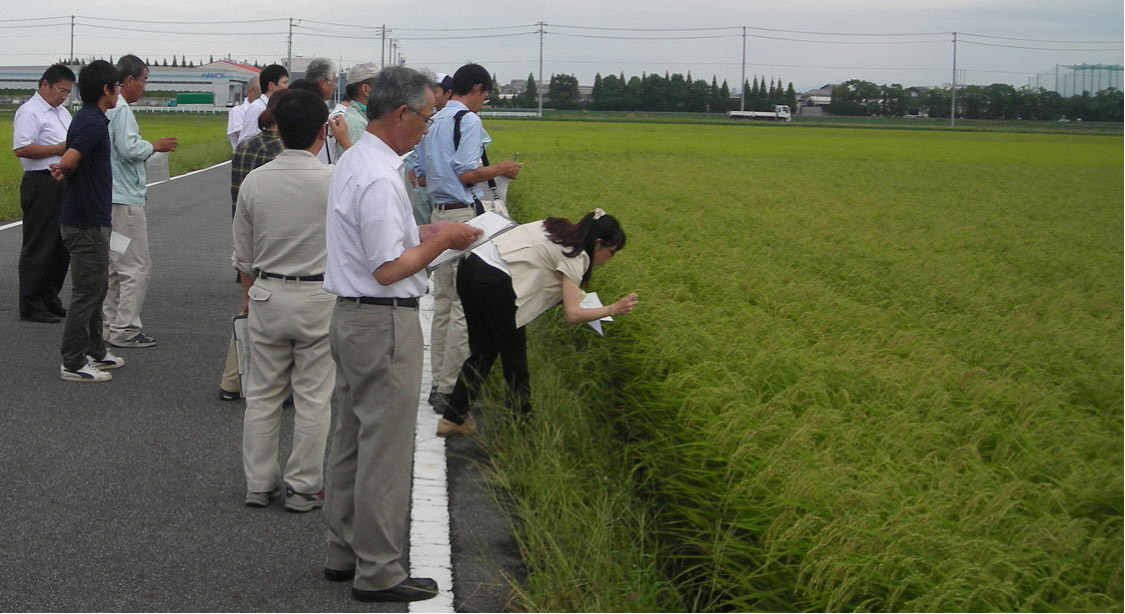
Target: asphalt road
{"points": [[128, 495]]}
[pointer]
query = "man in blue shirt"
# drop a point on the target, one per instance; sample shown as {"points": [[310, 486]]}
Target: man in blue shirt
{"points": [[455, 177], [85, 224]]}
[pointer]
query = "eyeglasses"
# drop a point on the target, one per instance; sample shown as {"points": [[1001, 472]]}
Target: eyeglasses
{"points": [[59, 90], [429, 119]]}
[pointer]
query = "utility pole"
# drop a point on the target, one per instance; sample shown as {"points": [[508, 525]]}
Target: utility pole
{"points": [[953, 88], [539, 84], [383, 47], [742, 86], [71, 59], [289, 49]]}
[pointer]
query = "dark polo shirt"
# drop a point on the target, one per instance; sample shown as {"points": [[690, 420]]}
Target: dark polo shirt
{"points": [[90, 188]]}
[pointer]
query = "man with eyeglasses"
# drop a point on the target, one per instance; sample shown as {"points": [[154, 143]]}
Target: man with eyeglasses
{"points": [[39, 140], [452, 168], [375, 256]]}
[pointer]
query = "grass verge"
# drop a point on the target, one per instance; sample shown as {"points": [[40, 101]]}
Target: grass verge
{"points": [[202, 142], [872, 370]]}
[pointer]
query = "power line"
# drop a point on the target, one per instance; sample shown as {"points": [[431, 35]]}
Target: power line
{"points": [[417, 38], [67, 17], [146, 30], [1039, 40], [763, 36], [352, 25], [1039, 48], [183, 22], [620, 29]]}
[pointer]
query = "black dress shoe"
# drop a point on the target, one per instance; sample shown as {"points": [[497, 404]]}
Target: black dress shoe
{"points": [[338, 575], [57, 309], [41, 317], [410, 589], [226, 395]]}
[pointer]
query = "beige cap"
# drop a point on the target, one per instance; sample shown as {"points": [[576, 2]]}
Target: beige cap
{"points": [[361, 72]]}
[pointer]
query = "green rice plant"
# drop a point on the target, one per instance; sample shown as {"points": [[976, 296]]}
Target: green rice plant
{"points": [[871, 370], [202, 142]]}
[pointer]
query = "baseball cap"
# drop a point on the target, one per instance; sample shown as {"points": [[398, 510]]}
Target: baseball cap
{"points": [[361, 72]]}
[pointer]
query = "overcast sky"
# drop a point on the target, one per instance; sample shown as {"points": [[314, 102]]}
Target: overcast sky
{"points": [[913, 60]]}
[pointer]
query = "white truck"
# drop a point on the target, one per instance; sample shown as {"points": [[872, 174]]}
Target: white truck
{"points": [[780, 113]]}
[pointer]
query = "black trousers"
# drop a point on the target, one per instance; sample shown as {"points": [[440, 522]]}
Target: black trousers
{"points": [[82, 333], [43, 257], [490, 313]]}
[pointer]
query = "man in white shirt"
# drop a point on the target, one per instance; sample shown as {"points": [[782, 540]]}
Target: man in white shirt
{"points": [[375, 260], [39, 140], [238, 112], [272, 78]]}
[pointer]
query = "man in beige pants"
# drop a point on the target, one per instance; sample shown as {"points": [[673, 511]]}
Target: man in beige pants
{"points": [[130, 268], [451, 166], [376, 253], [279, 241]]}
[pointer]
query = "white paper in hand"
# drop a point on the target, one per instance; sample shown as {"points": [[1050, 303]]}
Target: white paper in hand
{"points": [[592, 301], [490, 223], [118, 242]]}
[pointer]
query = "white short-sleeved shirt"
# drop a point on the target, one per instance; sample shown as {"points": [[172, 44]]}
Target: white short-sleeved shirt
{"points": [[370, 222], [234, 121], [250, 118], [38, 123]]}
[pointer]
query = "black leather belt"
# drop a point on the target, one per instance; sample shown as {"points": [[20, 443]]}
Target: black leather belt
{"points": [[412, 303], [319, 277], [40, 172], [451, 206]]}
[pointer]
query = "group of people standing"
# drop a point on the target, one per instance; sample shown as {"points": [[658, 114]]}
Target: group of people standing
{"points": [[332, 233], [84, 181]]}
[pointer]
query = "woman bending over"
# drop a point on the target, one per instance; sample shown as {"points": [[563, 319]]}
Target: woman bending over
{"points": [[507, 283]]}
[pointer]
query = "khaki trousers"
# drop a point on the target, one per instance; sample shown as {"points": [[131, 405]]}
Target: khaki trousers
{"points": [[289, 350], [129, 274], [367, 505], [449, 337]]}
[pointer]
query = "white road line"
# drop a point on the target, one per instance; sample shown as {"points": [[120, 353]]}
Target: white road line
{"points": [[431, 555], [202, 170], [147, 185]]}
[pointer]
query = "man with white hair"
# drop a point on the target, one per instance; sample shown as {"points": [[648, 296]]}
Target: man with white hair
{"points": [[375, 260], [238, 111], [321, 72]]}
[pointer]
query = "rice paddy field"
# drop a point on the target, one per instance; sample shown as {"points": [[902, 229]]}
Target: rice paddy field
{"points": [[871, 370], [202, 142]]}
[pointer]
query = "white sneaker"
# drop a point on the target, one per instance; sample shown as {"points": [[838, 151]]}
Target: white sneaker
{"points": [[111, 361], [88, 373]]}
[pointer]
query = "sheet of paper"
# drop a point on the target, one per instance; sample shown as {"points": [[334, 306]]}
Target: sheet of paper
{"points": [[241, 347], [118, 243], [491, 223], [592, 301]]}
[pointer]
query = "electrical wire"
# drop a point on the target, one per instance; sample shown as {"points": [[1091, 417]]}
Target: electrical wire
{"points": [[1038, 48], [619, 29], [184, 22], [416, 38], [762, 36], [92, 25], [1039, 40]]}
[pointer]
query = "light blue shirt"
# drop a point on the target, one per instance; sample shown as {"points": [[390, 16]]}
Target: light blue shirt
{"points": [[127, 155], [441, 164]]}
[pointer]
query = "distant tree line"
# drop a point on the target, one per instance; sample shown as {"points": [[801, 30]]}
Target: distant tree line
{"points": [[654, 92], [180, 62], [996, 101]]}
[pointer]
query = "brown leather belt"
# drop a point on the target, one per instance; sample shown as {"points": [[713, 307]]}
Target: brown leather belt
{"points": [[451, 206]]}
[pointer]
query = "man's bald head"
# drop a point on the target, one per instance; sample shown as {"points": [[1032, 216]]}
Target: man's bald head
{"points": [[254, 88]]}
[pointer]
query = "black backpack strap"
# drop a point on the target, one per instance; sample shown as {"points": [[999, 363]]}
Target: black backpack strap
{"points": [[457, 143]]}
